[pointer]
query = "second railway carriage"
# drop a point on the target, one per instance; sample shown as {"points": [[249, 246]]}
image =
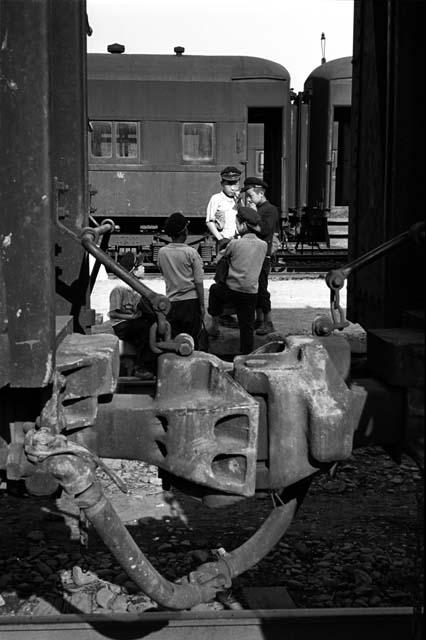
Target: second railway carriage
{"points": [[327, 94], [321, 143], [162, 127]]}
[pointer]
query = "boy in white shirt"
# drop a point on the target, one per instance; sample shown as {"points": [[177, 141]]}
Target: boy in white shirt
{"points": [[222, 206], [221, 213]]}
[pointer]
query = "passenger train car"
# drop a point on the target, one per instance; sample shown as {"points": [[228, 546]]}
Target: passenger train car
{"points": [[163, 126], [327, 93], [320, 181]]}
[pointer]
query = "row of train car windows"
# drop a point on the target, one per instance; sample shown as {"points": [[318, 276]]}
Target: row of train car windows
{"points": [[121, 141]]}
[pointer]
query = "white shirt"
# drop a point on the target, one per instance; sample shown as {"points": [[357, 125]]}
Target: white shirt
{"points": [[225, 208]]}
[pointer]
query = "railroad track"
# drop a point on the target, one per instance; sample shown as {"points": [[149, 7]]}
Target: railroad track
{"points": [[314, 262], [306, 262], [396, 623]]}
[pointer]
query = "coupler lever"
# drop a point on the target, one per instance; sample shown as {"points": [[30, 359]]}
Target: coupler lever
{"points": [[73, 467]]}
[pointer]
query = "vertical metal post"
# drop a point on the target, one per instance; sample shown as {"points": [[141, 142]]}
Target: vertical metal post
{"points": [[26, 232], [69, 155]]}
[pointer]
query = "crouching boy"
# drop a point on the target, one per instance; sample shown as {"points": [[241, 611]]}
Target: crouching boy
{"points": [[131, 320]]}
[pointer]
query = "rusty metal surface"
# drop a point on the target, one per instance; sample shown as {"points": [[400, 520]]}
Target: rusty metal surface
{"points": [[90, 364], [26, 187], [206, 427], [210, 423], [4, 338], [311, 412], [73, 467], [43, 179], [86, 368], [201, 426], [68, 144]]}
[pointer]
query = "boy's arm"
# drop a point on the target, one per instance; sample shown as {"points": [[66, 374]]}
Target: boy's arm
{"points": [[198, 271], [115, 307], [199, 286], [213, 230], [116, 314], [211, 211]]}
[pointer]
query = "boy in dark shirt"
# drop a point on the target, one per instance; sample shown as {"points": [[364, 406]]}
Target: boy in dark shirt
{"points": [[269, 217], [246, 256], [182, 268]]}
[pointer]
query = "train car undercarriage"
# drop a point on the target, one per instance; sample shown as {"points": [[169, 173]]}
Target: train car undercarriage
{"points": [[268, 421]]}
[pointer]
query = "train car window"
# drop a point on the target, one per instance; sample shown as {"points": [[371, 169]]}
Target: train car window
{"points": [[101, 140], [198, 141], [126, 139], [114, 142]]}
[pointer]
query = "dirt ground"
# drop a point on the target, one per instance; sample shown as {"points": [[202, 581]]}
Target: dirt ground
{"points": [[296, 301], [296, 292], [355, 542]]}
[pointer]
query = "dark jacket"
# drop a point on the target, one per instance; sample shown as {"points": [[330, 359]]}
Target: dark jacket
{"points": [[269, 218]]}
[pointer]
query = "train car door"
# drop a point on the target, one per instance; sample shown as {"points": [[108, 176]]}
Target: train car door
{"points": [[264, 148], [340, 161], [255, 149]]}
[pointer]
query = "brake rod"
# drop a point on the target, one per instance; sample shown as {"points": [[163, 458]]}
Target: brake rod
{"points": [[90, 236]]}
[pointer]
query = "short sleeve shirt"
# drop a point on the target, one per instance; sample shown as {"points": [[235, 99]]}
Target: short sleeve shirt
{"points": [[225, 207], [123, 298], [246, 256], [182, 267]]}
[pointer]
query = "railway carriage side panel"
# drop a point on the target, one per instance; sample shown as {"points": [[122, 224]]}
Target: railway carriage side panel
{"points": [[327, 91], [184, 132]]}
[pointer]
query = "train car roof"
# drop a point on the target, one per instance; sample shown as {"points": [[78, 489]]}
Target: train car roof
{"points": [[333, 70], [185, 68]]}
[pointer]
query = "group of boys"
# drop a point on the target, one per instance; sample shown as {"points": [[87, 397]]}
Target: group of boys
{"points": [[244, 238]]}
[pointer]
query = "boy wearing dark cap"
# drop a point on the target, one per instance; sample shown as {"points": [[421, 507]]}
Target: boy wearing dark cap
{"points": [[255, 189], [131, 320], [221, 212], [246, 256], [222, 207], [183, 272]]}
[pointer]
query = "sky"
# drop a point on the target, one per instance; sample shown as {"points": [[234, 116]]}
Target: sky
{"points": [[285, 31]]}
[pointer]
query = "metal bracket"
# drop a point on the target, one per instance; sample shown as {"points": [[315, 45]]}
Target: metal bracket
{"points": [[60, 187]]}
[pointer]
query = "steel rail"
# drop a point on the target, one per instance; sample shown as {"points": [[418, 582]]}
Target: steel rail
{"points": [[393, 623]]}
